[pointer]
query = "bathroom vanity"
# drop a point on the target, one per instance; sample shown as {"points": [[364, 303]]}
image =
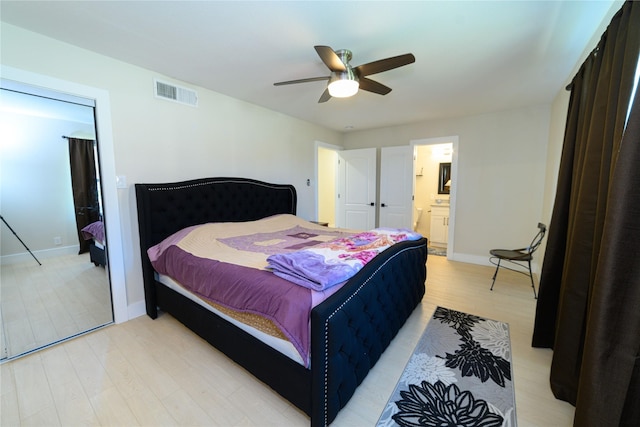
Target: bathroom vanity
{"points": [[439, 225]]}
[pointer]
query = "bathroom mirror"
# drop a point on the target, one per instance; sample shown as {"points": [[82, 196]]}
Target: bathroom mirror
{"points": [[444, 175]]}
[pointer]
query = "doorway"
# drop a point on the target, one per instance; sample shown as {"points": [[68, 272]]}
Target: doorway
{"points": [[429, 188], [50, 292], [435, 184], [326, 174]]}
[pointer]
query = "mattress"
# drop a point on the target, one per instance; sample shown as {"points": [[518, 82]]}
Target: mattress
{"points": [[281, 345]]}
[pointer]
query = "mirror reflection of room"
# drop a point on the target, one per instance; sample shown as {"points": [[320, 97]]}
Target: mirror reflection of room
{"points": [[54, 271], [432, 188]]}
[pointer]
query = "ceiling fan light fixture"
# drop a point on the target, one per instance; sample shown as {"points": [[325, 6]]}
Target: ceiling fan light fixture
{"points": [[343, 84], [344, 81]]}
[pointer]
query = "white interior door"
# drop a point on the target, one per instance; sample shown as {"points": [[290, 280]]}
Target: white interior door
{"points": [[396, 187], [356, 196]]}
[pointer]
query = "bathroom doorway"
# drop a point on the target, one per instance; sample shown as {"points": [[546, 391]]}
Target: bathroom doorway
{"points": [[435, 173]]}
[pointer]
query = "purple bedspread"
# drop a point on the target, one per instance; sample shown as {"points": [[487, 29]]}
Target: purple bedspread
{"points": [[243, 289], [225, 263], [95, 231]]}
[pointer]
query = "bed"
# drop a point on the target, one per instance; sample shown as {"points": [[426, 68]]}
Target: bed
{"points": [[349, 330], [94, 232]]}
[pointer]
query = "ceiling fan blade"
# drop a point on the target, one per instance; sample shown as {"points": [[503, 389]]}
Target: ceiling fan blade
{"points": [[324, 97], [373, 86], [384, 64], [330, 58], [311, 79]]}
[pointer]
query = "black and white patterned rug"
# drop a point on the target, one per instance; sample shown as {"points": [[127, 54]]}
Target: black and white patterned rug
{"points": [[460, 374]]}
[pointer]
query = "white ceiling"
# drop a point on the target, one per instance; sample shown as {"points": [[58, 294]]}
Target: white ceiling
{"points": [[471, 56]]}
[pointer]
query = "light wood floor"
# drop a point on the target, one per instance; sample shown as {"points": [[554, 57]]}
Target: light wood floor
{"points": [[156, 372], [41, 304]]}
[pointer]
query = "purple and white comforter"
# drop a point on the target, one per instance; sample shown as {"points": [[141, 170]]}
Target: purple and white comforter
{"points": [[227, 263]]}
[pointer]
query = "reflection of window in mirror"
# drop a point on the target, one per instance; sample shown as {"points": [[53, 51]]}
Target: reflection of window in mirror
{"points": [[444, 175]]}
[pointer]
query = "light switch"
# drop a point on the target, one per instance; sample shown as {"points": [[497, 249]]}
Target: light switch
{"points": [[121, 181]]}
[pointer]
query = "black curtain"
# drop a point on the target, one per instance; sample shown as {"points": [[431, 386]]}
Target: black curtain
{"points": [[85, 186], [588, 308]]}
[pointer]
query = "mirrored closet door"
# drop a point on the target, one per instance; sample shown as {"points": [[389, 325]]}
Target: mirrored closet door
{"points": [[54, 280]]}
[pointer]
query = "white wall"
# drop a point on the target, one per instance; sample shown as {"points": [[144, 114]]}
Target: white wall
{"points": [[501, 164], [554, 152], [160, 141]]}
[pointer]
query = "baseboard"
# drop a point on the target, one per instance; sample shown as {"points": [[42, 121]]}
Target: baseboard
{"points": [[471, 259], [136, 310], [40, 255], [484, 260]]}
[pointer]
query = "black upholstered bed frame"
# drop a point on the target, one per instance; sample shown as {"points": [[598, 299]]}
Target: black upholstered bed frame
{"points": [[97, 255], [349, 331]]}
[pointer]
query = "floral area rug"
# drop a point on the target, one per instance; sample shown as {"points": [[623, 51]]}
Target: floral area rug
{"points": [[459, 375]]}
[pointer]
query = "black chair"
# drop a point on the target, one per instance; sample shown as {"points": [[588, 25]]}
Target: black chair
{"points": [[520, 257]]}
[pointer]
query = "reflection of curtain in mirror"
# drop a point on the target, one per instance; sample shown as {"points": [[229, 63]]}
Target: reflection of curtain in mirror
{"points": [[84, 185]]}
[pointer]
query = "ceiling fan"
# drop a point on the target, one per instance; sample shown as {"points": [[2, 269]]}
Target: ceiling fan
{"points": [[345, 80]]}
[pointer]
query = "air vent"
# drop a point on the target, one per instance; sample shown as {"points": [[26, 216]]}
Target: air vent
{"points": [[176, 93]]}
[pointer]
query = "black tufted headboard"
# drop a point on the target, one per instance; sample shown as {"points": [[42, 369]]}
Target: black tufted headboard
{"points": [[164, 209]]}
